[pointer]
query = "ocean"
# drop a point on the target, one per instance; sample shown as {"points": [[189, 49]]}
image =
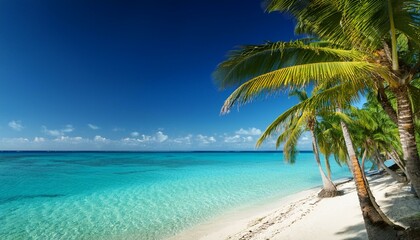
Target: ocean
{"points": [[139, 195]]}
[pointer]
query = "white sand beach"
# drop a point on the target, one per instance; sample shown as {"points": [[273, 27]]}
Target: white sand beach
{"points": [[305, 216]]}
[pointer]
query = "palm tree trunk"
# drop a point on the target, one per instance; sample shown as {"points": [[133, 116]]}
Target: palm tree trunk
{"points": [[407, 137], [363, 162], [376, 226], [328, 185], [394, 155], [380, 161], [386, 105], [393, 174], [328, 166], [395, 63]]}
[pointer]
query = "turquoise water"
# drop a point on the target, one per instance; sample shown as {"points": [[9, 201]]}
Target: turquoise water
{"points": [[138, 195]]}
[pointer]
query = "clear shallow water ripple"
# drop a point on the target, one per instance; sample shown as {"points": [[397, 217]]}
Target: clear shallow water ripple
{"points": [[137, 195]]}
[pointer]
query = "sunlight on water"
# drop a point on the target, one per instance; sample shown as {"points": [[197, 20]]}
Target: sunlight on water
{"points": [[137, 195]]}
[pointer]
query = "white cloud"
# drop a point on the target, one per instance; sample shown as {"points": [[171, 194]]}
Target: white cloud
{"points": [[130, 141], [93, 127], [68, 128], [16, 125], [250, 131], [20, 140], [160, 137], [305, 141], [233, 139], [248, 139], [54, 133], [137, 141], [238, 139], [118, 129], [71, 140], [145, 138], [205, 139], [39, 139], [58, 132], [101, 139], [183, 140], [305, 138]]}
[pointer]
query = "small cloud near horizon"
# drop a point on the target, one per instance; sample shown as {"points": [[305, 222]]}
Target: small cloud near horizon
{"points": [[58, 132], [16, 125], [93, 127], [250, 131], [205, 139]]}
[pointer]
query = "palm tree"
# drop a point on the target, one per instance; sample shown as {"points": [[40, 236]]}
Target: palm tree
{"points": [[354, 54], [331, 141], [375, 135], [292, 124], [351, 53], [386, 33], [376, 223]]}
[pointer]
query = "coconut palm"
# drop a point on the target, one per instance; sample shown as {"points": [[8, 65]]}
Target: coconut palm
{"points": [[375, 135], [291, 125], [394, 150], [385, 32], [377, 225], [331, 141], [356, 51], [363, 55]]}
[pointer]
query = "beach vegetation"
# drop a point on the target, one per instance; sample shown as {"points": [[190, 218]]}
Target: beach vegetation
{"points": [[387, 34], [348, 49], [290, 126]]}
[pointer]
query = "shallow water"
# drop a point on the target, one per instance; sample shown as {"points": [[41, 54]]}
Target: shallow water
{"points": [[138, 195]]}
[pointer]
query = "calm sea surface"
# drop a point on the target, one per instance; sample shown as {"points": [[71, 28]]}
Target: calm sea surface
{"points": [[138, 195]]}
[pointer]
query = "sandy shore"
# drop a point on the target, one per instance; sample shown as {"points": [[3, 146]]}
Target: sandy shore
{"points": [[305, 216]]}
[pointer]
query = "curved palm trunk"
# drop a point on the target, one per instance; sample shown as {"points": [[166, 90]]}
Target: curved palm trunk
{"points": [[393, 174], [328, 166], [407, 138], [363, 162], [386, 105], [376, 226], [394, 155], [405, 115], [328, 185], [381, 162]]}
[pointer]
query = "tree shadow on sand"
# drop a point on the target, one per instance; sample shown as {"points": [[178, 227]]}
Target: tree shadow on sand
{"points": [[358, 232]]}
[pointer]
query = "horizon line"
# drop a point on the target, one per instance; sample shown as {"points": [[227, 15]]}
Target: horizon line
{"points": [[151, 151]]}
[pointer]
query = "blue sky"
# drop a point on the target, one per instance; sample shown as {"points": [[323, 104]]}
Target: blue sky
{"points": [[128, 75]]}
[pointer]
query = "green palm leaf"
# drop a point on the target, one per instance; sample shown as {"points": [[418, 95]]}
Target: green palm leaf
{"points": [[364, 24], [297, 76], [415, 99], [253, 60]]}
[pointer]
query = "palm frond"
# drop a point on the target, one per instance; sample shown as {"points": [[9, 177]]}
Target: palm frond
{"points": [[363, 25], [253, 60], [302, 95], [291, 117], [344, 117], [300, 75], [415, 100], [289, 148]]}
